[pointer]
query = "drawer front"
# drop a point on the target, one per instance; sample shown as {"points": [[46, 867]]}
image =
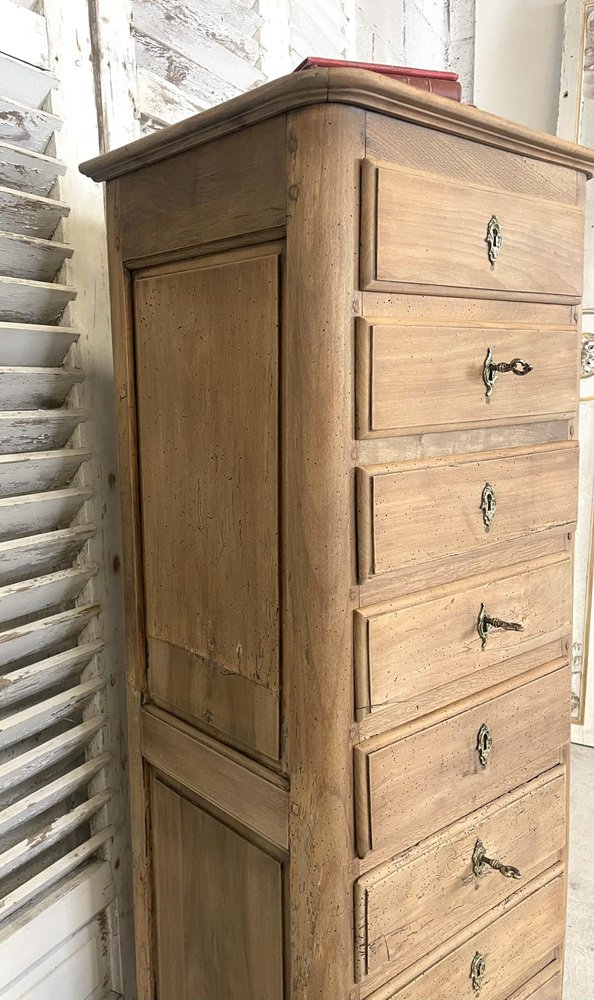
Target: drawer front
{"points": [[422, 230], [414, 512], [515, 947], [402, 910], [417, 378], [446, 771], [407, 650]]}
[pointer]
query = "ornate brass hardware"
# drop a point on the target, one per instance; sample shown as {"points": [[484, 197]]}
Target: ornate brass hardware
{"points": [[488, 505], [478, 969], [494, 239], [484, 744], [480, 863], [491, 369], [485, 623]]}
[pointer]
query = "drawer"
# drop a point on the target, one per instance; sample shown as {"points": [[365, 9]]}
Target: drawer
{"points": [[419, 230], [410, 513], [539, 989], [431, 893], [512, 949], [409, 650], [441, 772], [412, 379]]}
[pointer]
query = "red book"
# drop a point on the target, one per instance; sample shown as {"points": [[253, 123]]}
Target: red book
{"points": [[439, 82]]}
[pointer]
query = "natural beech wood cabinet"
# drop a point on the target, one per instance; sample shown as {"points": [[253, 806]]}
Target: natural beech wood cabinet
{"points": [[346, 328]]}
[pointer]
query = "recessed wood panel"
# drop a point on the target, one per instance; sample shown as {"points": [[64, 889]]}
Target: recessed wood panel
{"points": [[434, 884], [416, 512], [414, 378], [438, 773], [422, 230], [218, 907], [399, 643], [207, 382]]}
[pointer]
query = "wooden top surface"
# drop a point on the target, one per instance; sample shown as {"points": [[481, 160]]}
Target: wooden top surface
{"points": [[356, 87]]}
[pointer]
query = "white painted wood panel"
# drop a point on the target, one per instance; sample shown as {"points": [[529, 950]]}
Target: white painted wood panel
{"points": [[28, 127], [30, 214], [37, 886], [23, 82], [162, 101], [25, 388], [26, 558], [37, 430], [24, 34], [197, 84], [25, 301], [45, 470], [21, 769], [28, 171], [23, 256], [47, 511], [34, 346], [35, 678]]}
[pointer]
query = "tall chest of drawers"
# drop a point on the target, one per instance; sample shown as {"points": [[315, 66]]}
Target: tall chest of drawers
{"points": [[346, 322]]}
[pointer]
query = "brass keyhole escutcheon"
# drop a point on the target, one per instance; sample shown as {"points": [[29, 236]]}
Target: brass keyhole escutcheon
{"points": [[486, 622], [478, 969], [494, 239], [484, 744], [481, 863], [491, 370], [488, 505]]}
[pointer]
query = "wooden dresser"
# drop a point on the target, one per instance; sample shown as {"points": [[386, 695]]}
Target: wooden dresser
{"points": [[346, 320]]}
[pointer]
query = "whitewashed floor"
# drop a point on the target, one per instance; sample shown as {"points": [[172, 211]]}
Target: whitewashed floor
{"points": [[579, 965]]}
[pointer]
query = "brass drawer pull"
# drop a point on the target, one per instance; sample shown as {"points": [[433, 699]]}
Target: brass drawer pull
{"points": [[484, 744], [488, 505], [485, 623], [491, 369], [494, 239], [480, 863], [478, 969]]}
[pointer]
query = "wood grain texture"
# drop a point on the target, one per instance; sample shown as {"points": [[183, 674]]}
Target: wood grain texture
{"points": [[227, 939], [434, 883], [189, 196], [222, 778], [420, 230], [398, 644], [318, 537], [404, 374], [221, 501], [397, 502], [437, 772], [516, 946], [357, 88]]}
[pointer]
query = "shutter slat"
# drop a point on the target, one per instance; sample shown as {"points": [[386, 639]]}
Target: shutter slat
{"points": [[26, 170], [30, 214], [36, 388], [47, 511], [25, 301], [44, 798], [34, 719], [43, 633], [32, 596], [24, 36], [28, 682], [40, 884], [27, 765], [26, 558], [29, 848], [23, 82], [37, 430], [21, 125], [31, 258], [43, 470]]}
